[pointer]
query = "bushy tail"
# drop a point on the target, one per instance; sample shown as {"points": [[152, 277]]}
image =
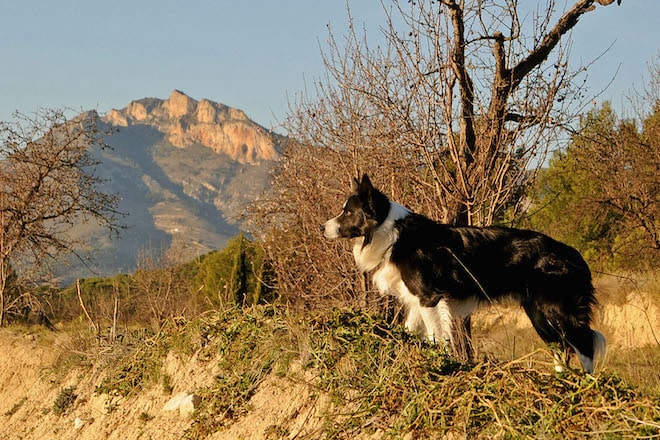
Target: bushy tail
{"points": [[600, 345], [599, 348]]}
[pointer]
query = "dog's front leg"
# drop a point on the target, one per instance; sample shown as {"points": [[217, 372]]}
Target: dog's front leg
{"points": [[438, 323], [414, 322]]}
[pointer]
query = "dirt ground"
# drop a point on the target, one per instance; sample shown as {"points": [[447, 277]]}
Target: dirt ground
{"points": [[29, 389]]}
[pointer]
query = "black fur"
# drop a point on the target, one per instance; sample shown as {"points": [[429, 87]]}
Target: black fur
{"points": [[437, 262], [548, 278]]}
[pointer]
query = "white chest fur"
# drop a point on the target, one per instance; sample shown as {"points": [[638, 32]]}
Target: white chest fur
{"points": [[387, 279], [377, 252], [435, 322], [375, 257]]}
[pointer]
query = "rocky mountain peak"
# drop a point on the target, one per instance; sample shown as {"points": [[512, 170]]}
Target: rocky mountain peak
{"points": [[186, 121], [179, 105]]}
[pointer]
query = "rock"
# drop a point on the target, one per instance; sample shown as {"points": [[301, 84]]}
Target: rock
{"points": [[206, 112], [180, 104], [184, 402], [174, 402], [189, 404], [78, 423]]}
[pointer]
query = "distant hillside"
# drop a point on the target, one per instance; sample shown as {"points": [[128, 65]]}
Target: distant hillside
{"points": [[184, 170]]}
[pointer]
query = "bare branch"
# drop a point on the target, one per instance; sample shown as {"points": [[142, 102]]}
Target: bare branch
{"points": [[550, 41]]}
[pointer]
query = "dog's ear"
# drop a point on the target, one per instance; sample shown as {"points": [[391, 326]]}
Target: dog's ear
{"points": [[364, 186]]}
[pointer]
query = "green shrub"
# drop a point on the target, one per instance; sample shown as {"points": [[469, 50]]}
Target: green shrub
{"points": [[64, 400], [250, 344], [238, 274], [136, 366]]}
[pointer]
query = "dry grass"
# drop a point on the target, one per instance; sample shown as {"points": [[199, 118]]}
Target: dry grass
{"points": [[368, 377], [637, 366], [385, 383]]}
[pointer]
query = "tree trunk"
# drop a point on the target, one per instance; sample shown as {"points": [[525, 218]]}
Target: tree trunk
{"points": [[462, 327]]}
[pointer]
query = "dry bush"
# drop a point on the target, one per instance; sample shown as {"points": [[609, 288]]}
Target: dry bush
{"points": [[162, 289], [310, 187]]}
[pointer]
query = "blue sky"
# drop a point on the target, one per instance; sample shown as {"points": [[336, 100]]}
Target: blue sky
{"points": [[253, 55]]}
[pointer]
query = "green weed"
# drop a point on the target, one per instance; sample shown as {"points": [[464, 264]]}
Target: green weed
{"points": [[135, 365], [145, 417]]}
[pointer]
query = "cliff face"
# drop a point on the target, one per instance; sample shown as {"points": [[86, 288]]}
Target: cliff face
{"points": [[185, 121]]}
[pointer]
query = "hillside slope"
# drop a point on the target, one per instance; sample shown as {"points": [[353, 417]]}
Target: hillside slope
{"points": [[262, 373]]}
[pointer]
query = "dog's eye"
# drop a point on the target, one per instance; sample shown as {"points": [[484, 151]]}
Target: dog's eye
{"points": [[348, 213]]}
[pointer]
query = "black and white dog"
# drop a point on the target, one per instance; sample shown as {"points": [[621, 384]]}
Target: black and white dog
{"points": [[440, 272]]}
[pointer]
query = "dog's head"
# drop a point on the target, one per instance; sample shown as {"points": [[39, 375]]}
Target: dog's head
{"points": [[362, 213]]}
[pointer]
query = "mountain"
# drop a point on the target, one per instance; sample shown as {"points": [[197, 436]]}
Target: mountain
{"points": [[184, 171], [187, 122]]}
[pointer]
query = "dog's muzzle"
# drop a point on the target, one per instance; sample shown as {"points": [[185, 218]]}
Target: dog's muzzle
{"points": [[330, 229]]}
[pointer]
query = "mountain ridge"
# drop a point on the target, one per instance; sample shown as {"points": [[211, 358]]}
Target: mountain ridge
{"points": [[186, 121], [184, 171]]}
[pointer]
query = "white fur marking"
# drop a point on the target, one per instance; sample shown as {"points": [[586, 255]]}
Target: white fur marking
{"points": [[414, 322], [560, 363], [375, 253], [438, 323], [439, 320], [387, 279]]}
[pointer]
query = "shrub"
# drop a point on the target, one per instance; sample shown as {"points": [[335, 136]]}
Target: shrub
{"points": [[238, 274], [65, 399]]}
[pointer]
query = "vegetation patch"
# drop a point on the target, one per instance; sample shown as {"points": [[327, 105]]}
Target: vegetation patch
{"points": [[64, 400], [15, 407], [135, 365], [367, 376], [376, 379], [247, 343], [381, 380]]}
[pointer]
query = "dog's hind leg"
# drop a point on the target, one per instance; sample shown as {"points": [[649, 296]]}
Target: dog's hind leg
{"points": [[555, 328], [561, 358], [542, 321]]}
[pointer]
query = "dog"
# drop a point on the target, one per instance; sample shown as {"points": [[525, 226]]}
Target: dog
{"points": [[441, 272]]}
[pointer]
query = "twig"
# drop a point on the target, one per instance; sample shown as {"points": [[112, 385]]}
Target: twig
{"points": [[82, 305]]}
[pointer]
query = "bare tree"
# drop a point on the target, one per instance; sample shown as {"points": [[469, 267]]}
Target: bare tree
{"points": [[465, 97], [453, 116], [47, 186]]}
